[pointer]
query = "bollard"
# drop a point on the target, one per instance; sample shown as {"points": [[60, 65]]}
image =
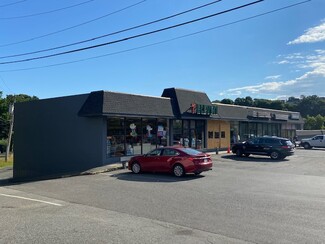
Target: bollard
{"points": [[124, 164]]}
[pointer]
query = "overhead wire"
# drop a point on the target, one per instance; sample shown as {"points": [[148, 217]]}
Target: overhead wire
{"points": [[47, 12], [113, 33], [158, 43], [131, 37], [74, 26], [3, 81], [10, 4]]}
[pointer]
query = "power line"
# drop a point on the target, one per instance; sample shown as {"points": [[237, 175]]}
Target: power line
{"points": [[47, 12], [132, 37], [72, 27], [161, 42], [3, 81], [10, 4], [113, 33]]}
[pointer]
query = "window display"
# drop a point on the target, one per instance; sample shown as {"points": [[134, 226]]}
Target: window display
{"points": [[135, 136]]}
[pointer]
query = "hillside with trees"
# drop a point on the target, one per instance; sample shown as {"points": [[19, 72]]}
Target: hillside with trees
{"points": [[311, 108]]}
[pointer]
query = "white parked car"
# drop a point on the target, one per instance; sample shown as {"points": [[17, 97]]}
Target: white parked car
{"points": [[316, 141]]}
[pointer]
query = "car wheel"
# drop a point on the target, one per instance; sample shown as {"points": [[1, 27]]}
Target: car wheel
{"points": [[275, 155], [238, 153], [136, 168], [247, 154], [307, 146], [178, 170]]}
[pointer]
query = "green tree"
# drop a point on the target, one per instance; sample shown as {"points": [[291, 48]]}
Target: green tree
{"points": [[314, 122], [262, 103], [244, 101], [311, 105], [320, 122], [227, 101], [4, 110], [310, 123], [277, 104], [249, 101]]}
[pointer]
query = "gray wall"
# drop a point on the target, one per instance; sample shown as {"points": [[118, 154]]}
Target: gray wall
{"points": [[51, 139]]}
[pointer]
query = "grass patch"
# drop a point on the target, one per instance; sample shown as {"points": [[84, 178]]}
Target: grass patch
{"points": [[3, 163]]}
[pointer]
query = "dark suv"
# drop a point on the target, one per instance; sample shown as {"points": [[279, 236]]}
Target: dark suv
{"points": [[275, 147]]}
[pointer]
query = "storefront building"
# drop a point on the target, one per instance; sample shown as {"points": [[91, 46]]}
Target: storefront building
{"points": [[248, 122], [74, 133], [71, 134]]}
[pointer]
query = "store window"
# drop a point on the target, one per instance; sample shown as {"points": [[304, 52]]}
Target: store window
{"points": [[149, 132], [189, 133], [200, 132], [162, 132], [115, 137], [133, 136], [177, 132], [265, 130]]}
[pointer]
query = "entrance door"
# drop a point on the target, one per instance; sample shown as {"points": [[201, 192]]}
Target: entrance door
{"points": [[189, 133], [193, 142]]}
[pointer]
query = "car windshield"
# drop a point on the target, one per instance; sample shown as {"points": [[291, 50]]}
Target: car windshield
{"points": [[190, 151]]}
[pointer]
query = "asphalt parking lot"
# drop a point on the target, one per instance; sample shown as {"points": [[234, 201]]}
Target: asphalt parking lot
{"points": [[306, 162], [242, 200]]}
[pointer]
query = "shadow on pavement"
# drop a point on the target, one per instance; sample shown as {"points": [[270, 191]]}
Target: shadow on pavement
{"points": [[155, 177], [311, 149], [253, 159], [5, 176]]}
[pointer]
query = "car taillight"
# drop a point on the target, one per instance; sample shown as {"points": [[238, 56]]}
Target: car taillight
{"points": [[200, 160], [196, 160], [286, 147]]}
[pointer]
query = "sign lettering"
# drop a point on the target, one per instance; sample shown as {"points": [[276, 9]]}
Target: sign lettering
{"points": [[203, 109]]}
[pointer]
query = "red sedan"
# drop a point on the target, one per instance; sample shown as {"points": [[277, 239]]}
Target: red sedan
{"points": [[178, 161]]}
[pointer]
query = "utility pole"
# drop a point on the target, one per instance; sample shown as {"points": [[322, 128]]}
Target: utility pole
{"points": [[11, 114]]}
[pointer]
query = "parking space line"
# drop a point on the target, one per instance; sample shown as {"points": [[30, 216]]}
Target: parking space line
{"points": [[31, 199]]}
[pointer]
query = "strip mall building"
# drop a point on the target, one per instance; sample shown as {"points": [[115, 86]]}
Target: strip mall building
{"points": [[75, 133]]}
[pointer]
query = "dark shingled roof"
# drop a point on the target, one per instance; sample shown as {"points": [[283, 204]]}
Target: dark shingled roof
{"points": [[182, 100], [101, 103], [242, 113]]}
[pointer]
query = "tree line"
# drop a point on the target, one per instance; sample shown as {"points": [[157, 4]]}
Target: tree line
{"points": [[6, 116], [311, 108]]}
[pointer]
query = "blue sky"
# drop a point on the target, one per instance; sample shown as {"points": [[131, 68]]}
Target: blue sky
{"points": [[272, 56]]}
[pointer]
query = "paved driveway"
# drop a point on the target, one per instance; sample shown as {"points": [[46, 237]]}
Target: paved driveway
{"points": [[242, 200]]}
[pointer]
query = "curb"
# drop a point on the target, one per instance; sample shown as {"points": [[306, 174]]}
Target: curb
{"points": [[103, 169]]}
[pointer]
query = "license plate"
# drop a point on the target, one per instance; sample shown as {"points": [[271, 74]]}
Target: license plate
{"points": [[205, 160]]}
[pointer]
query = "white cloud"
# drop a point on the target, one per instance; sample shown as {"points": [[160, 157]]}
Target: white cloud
{"points": [[272, 77], [314, 34], [310, 81], [284, 62], [264, 87]]}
